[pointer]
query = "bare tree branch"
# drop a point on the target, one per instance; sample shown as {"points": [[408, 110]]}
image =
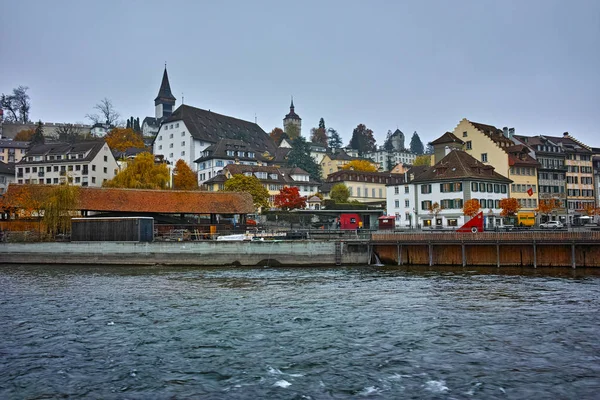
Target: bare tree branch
{"points": [[108, 115]]}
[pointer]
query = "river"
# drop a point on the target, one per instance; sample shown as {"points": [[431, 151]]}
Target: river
{"points": [[298, 333]]}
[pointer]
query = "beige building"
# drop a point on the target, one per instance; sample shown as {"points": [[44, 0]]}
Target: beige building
{"points": [[334, 162], [495, 147], [12, 151], [365, 187]]}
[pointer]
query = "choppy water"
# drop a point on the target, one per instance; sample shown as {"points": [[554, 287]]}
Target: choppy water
{"points": [[154, 333]]}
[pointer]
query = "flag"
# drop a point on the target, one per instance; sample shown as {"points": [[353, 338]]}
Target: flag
{"points": [[530, 192]]}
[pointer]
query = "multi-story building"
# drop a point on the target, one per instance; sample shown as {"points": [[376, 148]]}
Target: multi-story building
{"points": [[335, 161], [12, 151], [493, 146], [225, 152], [89, 163], [272, 178], [579, 175], [552, 183], [596, 164], [452, 181], [365, 187]]}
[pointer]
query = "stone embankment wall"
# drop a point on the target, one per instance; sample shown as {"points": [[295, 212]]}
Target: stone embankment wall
{"points": [[212, 253]]}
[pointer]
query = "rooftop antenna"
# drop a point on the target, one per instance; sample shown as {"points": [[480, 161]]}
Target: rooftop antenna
{"points": [[182, 98], [255, 118]]}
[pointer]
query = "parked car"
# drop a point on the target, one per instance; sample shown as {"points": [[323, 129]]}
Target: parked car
{"points": [[552, 225]]}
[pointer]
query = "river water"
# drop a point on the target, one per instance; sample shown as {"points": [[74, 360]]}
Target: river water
{"points": [[298, 333]]}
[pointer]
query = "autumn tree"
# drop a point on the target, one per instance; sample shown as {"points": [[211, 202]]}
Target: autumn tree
{"points": [[546, 207], [362, 139], [249, 184], [183, 177], [289, 199], [422, 160], [339, 193], [435, 209], [107, 114], [292, 131], [318, 135], [16, 105], [277, 135], [299, 156], [416, 145], [471, 207], [59, 206], [24, 135], [360, 165], [141, 173], [334, 140], [124, 138], [591, 210], [38, 135], [510, 207]]}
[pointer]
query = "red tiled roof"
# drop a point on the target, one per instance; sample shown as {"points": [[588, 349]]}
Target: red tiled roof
{"points": [[147, 201]]}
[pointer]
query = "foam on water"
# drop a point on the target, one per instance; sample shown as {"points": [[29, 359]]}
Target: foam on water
{"points": [[436, 386], [282, 383]]}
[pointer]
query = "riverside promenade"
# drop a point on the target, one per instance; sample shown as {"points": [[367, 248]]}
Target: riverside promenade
{"points": [[528, 249]]}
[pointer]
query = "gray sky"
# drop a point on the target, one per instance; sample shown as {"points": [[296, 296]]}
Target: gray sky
{"points": [[419, 65]]}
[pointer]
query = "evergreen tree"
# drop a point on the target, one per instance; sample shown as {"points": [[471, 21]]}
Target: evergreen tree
{"points": [[416, 146], [38, 136], [136, 126], [322, 124], [299, 156], [362, 139], [335, 141], [128, 126]]}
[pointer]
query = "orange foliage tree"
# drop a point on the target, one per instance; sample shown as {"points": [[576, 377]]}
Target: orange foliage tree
{"points": [[435, 209], [141, 173], [591, 210], [277, 135], [124, 138], [25, 135], [509, 207], [547, 206], [471, 208], [289, 199], [183, 177], [360, 165]]}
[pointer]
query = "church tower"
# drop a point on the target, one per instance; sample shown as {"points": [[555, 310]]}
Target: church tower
{"points": [[292, 120], [165, 101]]}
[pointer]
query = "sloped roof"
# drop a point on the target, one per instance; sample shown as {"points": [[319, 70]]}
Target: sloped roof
{"points": [[447, 137], [362, 176], [460, 165], [164, 93], [7, 168], [150, 121], [570, 144], [219, 150], [13, 144], [91, 147], [284, 175], [146, 201], [292, 114], [210, 127], [497, 135]]}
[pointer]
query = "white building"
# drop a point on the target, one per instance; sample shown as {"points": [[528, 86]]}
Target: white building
{"points": [[388, 159], [89, 163], [456, 178]]}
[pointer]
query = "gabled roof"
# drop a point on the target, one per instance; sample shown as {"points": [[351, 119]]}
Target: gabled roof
{"points": [[341, 155], [459, 165], [518, 155], [164, 93], [284, 175], [569, 144], [210, 127], [497, 135], [146, 201], [91, 147], [219, 150], [150, 121], [7, 168], [346, 175], [447, 137]]}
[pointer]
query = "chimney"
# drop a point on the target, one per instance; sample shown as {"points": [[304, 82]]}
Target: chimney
{"points": [[566, 134], [505, 131], [511, 133], [447, 150]]}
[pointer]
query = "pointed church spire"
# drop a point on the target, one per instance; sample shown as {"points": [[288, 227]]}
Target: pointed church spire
{"points": [[292, 105], [164, 93]]}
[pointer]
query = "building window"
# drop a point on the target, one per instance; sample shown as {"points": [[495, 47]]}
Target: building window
{"points": [[183, 143], [170, 155], [93, 179], [160, 146], [105, 170], [105, 158], [396, 190], [465, 134], [183, 153], [406, 189], [93, 167], [171, 136], [397, 203], [469, 145], [483, 157], [406, 203], [425, 189]]}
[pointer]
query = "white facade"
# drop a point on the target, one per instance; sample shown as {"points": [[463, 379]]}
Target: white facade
{"points": [[410, 203], [211, 168], [396, 157], [175, 142], [56, 169]]}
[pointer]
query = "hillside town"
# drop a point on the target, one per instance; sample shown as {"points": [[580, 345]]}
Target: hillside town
{"points": [[473, 167]]}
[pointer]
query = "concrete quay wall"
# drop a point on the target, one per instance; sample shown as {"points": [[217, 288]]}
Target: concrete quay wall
{"points": [[211, 253]]}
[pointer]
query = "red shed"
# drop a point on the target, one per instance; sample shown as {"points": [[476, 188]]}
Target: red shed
{"points": [[350, 221], [387, 222]]}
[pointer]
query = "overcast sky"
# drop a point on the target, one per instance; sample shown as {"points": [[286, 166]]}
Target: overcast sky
{"points": [[419, 65]]}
